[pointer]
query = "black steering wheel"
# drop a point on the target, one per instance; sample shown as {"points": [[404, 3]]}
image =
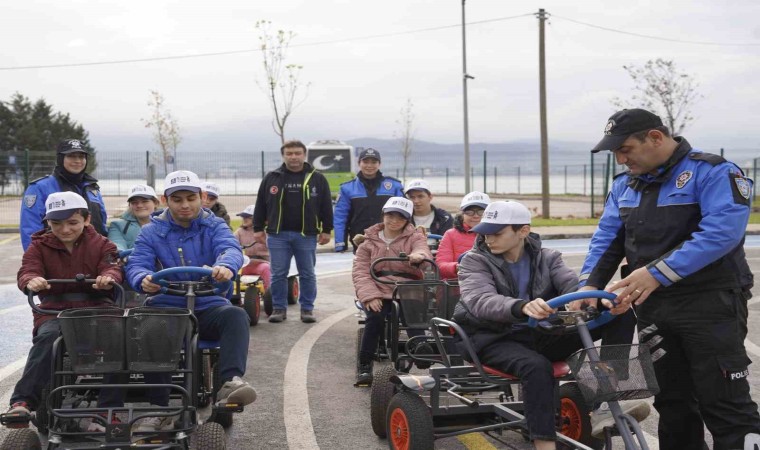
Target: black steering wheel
{"points": [[217, 287]]}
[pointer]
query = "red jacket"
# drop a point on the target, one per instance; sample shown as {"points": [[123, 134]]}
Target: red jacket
{"points": [[455, 242], [47, 257], [410, 241]]}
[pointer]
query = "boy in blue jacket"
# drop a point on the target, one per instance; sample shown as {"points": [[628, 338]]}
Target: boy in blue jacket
{"points": [[185, 234]]}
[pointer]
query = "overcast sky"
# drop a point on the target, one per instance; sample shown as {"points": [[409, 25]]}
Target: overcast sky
{"points": [[358, 86]]}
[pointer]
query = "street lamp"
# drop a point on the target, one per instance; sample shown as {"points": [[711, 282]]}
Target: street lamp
{"points": [[465, 77]]}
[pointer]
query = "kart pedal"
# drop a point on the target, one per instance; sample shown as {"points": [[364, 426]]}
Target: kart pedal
{"points": [[16, 420], [228, 407]]}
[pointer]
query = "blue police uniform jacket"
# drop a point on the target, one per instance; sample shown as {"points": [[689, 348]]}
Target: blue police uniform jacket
{"points": [[686, 225], [163, 243], [33, 205], [356, 209]]}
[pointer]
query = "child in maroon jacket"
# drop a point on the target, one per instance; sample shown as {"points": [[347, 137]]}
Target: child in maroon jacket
{"points": [[70, 247]]}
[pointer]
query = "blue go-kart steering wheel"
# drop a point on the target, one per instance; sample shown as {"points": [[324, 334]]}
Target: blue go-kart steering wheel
{"points": [[565, 321], [160, 279]]}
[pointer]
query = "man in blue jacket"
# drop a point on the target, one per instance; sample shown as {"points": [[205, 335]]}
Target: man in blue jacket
{"points": [[361, 200], [69, 174], [185, 234], [678, 216]]}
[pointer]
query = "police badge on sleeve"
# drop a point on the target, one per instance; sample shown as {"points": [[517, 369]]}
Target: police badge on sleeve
{"points": [[29, 200], [742, 189]]}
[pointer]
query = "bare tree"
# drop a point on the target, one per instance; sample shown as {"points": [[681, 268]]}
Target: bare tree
{"points": [[282, 80], [165, 128], [406, 134], [661, 88]]}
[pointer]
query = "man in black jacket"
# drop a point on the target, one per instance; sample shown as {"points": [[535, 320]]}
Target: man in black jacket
{"points": [[434, 220], [295, 207]]}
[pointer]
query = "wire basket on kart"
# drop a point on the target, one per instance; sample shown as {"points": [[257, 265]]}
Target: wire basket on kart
{"points": [[419, 302], [155, 337], [623, 372], [94, 338]]}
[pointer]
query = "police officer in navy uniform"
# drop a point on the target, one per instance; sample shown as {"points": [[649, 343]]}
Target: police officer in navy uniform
{"points": [[68, 175], [678, 216], [360, 201]]}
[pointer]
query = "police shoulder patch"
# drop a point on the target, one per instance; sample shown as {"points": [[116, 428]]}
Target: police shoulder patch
{"points": [[741, 187], [30, 200], [683, 178]]}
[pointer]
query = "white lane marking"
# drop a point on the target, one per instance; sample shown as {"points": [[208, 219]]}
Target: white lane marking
{"points": [[12, 309], [298, 427], [11, 368]]}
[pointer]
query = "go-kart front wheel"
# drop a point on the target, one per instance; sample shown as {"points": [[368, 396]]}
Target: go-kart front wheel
{"points": [[21, 438], [381, 394], [294, 289], [575, 416], [409, 423], [252, 305], [209, 436]]}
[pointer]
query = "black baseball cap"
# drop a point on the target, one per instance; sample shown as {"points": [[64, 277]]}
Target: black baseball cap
{"points": [[67, 146], [624, 123], [369, 153]]}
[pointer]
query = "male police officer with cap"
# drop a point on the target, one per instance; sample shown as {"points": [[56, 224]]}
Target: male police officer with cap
{"points": [[360, 201], [678, 216], [69, 174]]}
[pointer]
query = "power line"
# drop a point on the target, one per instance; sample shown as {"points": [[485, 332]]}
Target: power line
{"points": [[658, 38], [235, 52]]}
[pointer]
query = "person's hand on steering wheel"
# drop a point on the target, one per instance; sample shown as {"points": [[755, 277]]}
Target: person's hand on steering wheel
{"points": [[148, 286], [221, 274], [578, 304], [37, 284], [537, 309], [416, 258]]}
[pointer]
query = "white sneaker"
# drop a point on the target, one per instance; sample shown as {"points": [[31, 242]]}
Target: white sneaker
{"points": [[153, 424], [602, 417], [237, 391]]}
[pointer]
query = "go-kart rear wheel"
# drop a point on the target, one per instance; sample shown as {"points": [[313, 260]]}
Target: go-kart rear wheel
{"points": [[252, 305], [209, 436], [382, 392], [21, 438], [409, 423], [359, 337], [294, 289], [575, 416], [268, 305], [207, 379]]}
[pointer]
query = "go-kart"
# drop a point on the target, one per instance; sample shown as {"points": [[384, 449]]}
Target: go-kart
{"points": [[452, 400]]}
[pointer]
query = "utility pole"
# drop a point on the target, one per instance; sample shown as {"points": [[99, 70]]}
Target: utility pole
{"points": [[542, 99], [465, 76]]}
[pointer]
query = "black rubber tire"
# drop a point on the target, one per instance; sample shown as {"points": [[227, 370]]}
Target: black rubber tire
{"points": [[268, 305], [409, 423], [222, 418], [294, 289], [359, 336], [252, 304], [380, 397], [576, 412], [21, 438], [209, 436], [41, 414]]}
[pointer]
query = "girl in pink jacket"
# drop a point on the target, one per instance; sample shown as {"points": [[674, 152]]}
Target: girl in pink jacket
{"points": [[394, 235], [257, 251], [460, 239]]}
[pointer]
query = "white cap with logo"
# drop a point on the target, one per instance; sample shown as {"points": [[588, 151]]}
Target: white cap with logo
{"points": [[142, 190], [211, 189], [500, 214], [400, 205], [475, 198], [247, 212], [417, 185], [61, 205], [181, 180]]}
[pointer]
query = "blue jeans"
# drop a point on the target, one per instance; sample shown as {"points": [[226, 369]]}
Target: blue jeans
{"points": [[282, 247]]}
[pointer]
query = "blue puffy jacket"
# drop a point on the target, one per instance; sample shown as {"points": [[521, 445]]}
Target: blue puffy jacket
{"points": [[33, 205], [163, 243]]}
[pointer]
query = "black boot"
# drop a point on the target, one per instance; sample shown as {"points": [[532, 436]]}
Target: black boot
{"points": [[364, 374]]}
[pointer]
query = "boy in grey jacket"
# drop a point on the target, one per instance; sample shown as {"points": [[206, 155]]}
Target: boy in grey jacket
{"points": [[504, 280]]}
